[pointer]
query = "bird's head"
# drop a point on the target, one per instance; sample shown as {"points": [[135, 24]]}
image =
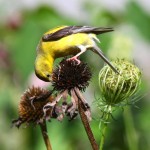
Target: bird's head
{"points": [[43, 68]]}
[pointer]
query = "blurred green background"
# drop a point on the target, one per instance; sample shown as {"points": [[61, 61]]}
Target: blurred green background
{"points": [[22, 23]]}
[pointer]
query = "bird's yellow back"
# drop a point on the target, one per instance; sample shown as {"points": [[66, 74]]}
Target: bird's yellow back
{"points": [[66, 45]]}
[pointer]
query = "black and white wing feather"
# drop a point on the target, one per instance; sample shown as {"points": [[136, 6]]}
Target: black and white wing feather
{"points": [[73, 30]]}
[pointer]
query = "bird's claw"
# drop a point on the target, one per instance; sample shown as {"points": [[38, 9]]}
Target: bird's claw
{"points": [[74, 58]]}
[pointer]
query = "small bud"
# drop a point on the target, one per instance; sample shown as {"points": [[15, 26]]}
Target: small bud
{"points": [[119, 88]]}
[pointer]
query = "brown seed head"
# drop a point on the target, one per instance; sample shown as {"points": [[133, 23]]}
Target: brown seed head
{"points": [[31, 111], [70, 74]]}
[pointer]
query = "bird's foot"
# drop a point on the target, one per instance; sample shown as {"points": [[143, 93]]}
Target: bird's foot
{"points": [[74, 58]]}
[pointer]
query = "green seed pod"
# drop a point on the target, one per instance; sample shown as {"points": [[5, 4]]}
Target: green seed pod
{"points": [[116, 88]]}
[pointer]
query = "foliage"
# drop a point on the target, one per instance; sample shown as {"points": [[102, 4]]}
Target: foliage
{"points": [[17, 54]]}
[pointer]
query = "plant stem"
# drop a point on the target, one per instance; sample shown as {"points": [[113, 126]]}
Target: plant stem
{"points": [[104, 127], [86, 122], [103, 135], [131, 134], [45, 135]]}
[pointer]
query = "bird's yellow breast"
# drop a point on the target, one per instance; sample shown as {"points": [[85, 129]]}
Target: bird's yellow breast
{"points": [[66, 45]]}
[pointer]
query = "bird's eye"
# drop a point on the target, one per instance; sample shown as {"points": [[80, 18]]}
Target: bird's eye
{"points": [[48, 75]]}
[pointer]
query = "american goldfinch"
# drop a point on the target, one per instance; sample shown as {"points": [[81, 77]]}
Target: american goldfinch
{"points": [[63, 41]]}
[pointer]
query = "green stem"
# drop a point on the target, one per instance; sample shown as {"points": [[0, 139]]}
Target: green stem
{"points": [[103, 135], [131, 135], [104, 126], [45, 135]]}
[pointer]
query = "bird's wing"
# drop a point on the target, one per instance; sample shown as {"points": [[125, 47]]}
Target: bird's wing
{"points": [[68, 30]]}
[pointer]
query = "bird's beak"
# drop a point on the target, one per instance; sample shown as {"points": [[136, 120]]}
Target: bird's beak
{"points": [[50, 78], [100, 53]]}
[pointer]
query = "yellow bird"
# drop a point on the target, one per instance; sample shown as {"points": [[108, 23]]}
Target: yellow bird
{"points": [[66, 40]]}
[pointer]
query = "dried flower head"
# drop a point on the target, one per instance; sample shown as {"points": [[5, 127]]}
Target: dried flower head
{"points": [[31, 111], [70, 74], [69, 79], [118, 88]]}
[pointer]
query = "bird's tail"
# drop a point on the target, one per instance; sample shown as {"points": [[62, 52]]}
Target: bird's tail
{"points": [[100, 53]]}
